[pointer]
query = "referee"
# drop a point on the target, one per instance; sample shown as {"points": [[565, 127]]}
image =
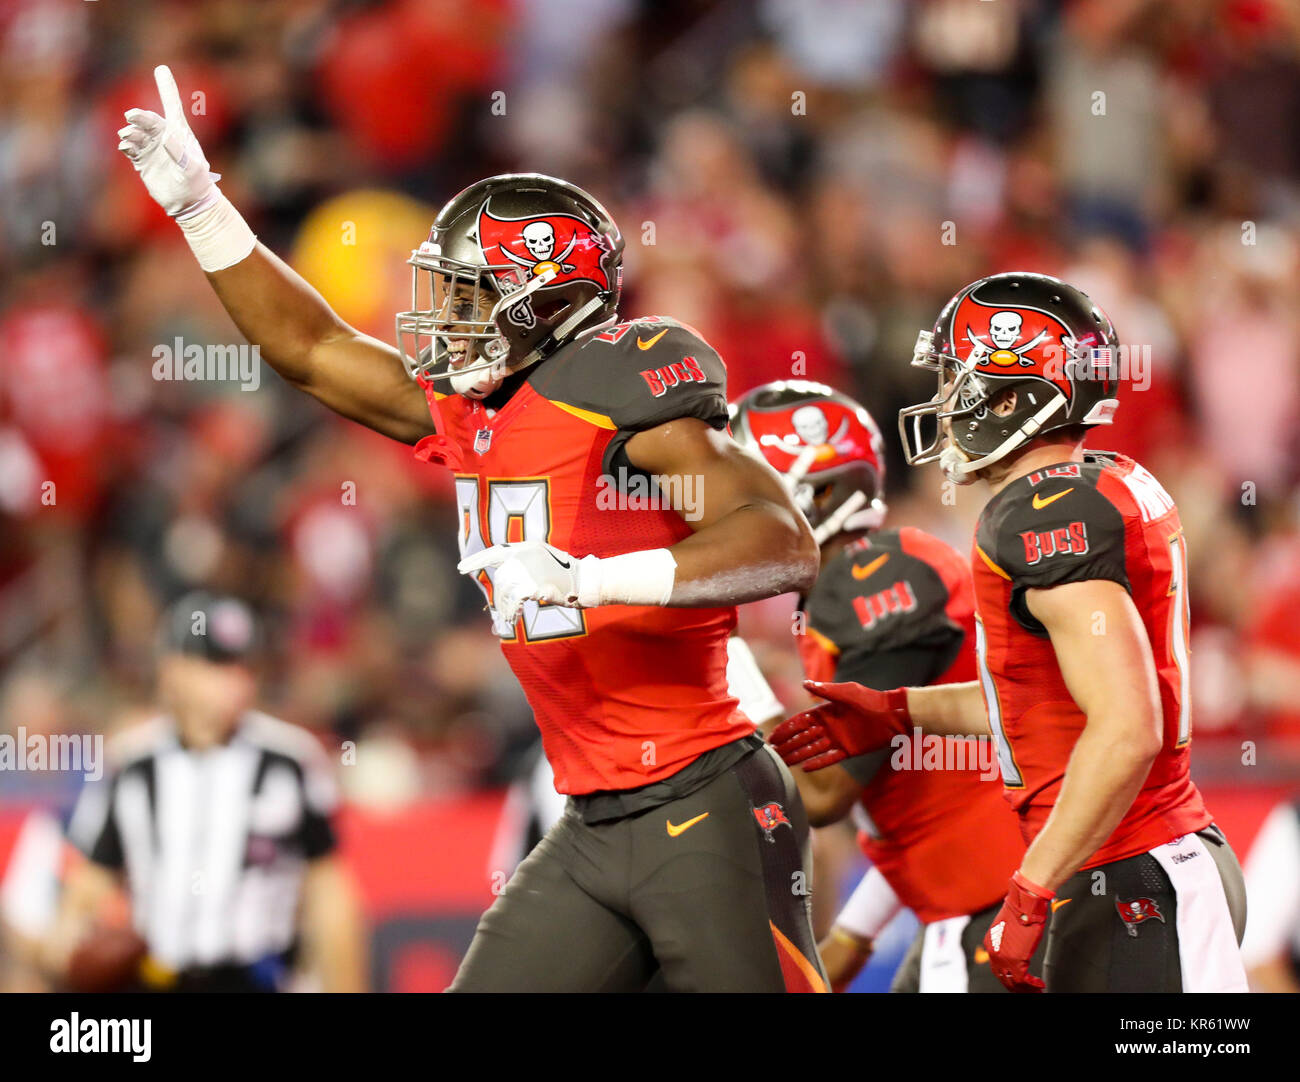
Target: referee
{"points": [[217, 818]]}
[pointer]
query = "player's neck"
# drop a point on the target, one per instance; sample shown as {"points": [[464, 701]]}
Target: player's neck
{"points": [[1034, 457]]}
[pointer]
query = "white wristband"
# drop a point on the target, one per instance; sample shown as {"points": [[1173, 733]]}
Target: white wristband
{"points": [[217, 234], [871, 906], [635, 578]]}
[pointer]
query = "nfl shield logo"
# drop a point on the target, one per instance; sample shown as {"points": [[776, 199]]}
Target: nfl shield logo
{"points": [[482, 441]]}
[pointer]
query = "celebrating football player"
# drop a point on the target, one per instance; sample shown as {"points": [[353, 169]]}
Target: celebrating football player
{"points": [[612, 524], [889, 606], [1081, 636]]}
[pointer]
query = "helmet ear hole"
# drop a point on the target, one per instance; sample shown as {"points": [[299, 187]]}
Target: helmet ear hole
{"points": [[550, 311], [1004, 402]]}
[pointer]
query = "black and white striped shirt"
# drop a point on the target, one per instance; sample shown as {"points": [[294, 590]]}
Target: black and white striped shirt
{"points": [[214, 843]]}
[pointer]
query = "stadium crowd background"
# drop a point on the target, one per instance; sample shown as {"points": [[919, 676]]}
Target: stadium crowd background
{"points": [[803, 181]]}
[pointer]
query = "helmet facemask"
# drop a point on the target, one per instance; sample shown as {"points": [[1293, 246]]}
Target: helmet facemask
{"points": [[960, 393], [966, 394], [453, 328]]}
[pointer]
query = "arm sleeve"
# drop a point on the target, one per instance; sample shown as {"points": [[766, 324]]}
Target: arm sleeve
{"points": [[680, 375], [639, 375], [1076, 534]]}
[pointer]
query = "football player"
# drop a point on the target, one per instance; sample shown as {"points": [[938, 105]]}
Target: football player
{"points": [[1081, 638], [890, 606], [612, 524]]}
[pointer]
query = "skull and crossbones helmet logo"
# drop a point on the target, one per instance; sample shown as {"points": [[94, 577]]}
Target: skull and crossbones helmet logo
{"points": [[1004, 332], [539, 239], [811, 425]]}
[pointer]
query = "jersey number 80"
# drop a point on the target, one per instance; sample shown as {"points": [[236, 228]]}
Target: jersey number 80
{"points": [[517, 510]]}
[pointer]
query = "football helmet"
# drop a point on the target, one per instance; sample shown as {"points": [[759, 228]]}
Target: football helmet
{"points": [[1030, 333], [514, 266], [824, 445]]}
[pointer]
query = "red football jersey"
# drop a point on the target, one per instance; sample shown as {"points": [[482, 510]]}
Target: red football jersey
{"points": [[1108, 518], [897, 608], [624, 695]]}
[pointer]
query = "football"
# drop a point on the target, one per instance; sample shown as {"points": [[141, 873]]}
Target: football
{"points": [[106, 960]]}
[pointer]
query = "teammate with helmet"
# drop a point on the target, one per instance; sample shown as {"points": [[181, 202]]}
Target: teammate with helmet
{"points": [[684, 839], [1082, 622], [890, 606]]}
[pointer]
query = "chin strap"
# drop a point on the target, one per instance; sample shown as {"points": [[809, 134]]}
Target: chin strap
{"points": [[479, 383], [855, 513], [961, 470]]}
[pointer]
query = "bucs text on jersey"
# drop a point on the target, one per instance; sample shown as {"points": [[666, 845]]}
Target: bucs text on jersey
{"points": [[1103, 518], [623, 695], [896, 608]]}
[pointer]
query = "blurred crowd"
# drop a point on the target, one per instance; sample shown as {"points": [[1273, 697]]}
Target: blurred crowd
{"points": [[803, 181]]}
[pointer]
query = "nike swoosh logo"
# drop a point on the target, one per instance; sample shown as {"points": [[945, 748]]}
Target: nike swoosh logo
{"points": [[1058, 902], [870, 569], [674, 831], [647, 343], [1040, 503]]}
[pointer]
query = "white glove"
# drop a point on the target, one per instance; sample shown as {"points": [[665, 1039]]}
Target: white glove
{"points": [[176, 174], [536, 571], [166, 154], [528, 571]]}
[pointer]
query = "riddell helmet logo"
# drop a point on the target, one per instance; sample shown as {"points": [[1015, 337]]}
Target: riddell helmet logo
{"points": [[769, 817], [561, 243], [1135, 912]]}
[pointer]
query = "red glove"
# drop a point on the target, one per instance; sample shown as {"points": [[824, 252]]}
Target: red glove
{"points": [[1013, 936], [855, 721]]}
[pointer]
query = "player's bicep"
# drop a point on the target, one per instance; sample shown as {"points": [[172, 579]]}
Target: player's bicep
{"points": [[364, 379], [708, 473], [1103, 652]]}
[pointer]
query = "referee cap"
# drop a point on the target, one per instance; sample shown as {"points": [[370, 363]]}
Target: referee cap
{"points": [[210, 626]]}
